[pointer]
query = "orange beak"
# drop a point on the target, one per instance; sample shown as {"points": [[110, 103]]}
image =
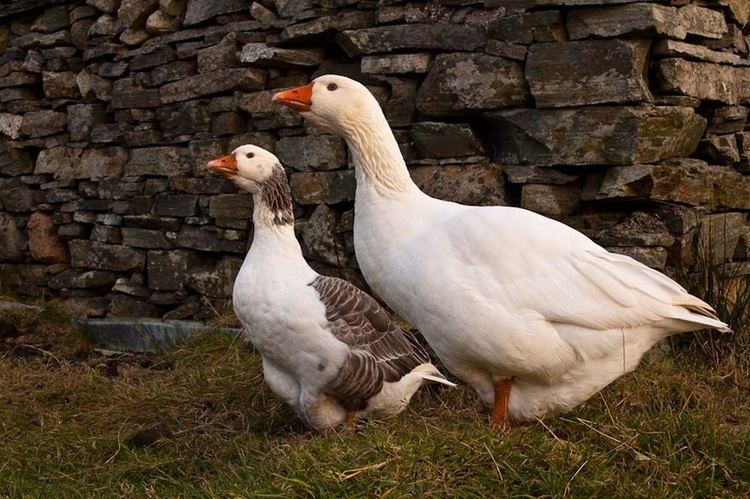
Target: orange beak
{"points": [[299, 99], [226, 165]]}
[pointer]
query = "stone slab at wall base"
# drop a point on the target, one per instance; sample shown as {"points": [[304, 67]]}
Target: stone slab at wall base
{"points": [[626, 119], [144, 335]]}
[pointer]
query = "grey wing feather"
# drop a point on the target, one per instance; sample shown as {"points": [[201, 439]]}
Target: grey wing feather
{"points": [[379, 349]]}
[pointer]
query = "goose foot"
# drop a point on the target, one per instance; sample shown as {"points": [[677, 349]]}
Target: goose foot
{"points": [[499, 417]]}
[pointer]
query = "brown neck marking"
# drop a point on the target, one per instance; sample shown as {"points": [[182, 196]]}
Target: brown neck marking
{"points": [[277, 197]]}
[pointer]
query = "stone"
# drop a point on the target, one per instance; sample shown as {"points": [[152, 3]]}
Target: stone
{"points": [[144, 238], [60, 85], [719, 149], [730, 188], [105, 133], [418, 63], [638, 229], [157, 57], [134, 37], [323, 28], [680, 181], [732, 40], [221, 80], [17, 79], [216, 281], [90, 279], [541, 26], [131, 288], [221, 55], [159, 23], [674, 48], [265, 55], [601, 135], [44, 245], [173, 8], [479, 184], [108, 6], [655, 257], [444, 140], [262, 14], [100, 256], [179, 205], [530, 174], [612, 71], [556, 201], [236, 206], [718, 235], [312, 152], [42, 123], [104, 26], [61, 37], [701, 79], [206, 238], [172, 71], [82, 118], [184, 311], [12, 241], [162, 161], [228, 123], [323, 187], [126, 94], [53, 19], [320, 239], [71, 231], [126, 306], [726, 119], [57, 159], [671, 22], [203, 10], [743, 144], [10, 125], [184, 118], [265, 114], [133, 13], [458, 83], [16, 162], [292, 8], [90, 85], [409, 37], [506, 49], [151, 222]]}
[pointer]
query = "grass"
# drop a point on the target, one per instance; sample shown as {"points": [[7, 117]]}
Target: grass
{"points": [[199, 422]]}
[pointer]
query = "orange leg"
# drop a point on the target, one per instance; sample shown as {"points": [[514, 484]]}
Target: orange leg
{"points": [[500, 410], [351, 419]]}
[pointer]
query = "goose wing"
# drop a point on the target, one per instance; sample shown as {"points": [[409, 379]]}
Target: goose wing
{"points": [[380, 350]]}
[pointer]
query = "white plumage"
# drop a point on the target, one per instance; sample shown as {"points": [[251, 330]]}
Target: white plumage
{"points": [[500, 293], [329, 350]]}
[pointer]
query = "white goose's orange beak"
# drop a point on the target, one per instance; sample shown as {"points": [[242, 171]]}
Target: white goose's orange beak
{"points": [[299, 99], [225, 165]]}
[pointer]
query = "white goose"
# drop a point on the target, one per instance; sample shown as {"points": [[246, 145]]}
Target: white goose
{"points": [[329, 350], [531, 313]]}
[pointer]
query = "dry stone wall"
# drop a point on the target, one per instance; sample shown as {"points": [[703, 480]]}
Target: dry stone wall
{"points": [[625, 119]]}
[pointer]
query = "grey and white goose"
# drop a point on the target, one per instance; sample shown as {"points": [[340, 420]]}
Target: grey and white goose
{"points": [[329, 350]]}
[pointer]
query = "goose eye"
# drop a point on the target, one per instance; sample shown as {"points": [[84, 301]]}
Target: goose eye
{"points": [[250, 155], [332, 87]]}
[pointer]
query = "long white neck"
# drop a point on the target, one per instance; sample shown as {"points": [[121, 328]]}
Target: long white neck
{"points": [[378, 162]]}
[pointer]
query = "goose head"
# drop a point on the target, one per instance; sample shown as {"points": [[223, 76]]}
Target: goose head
{"points": [[332, 102], [249, 167]]}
